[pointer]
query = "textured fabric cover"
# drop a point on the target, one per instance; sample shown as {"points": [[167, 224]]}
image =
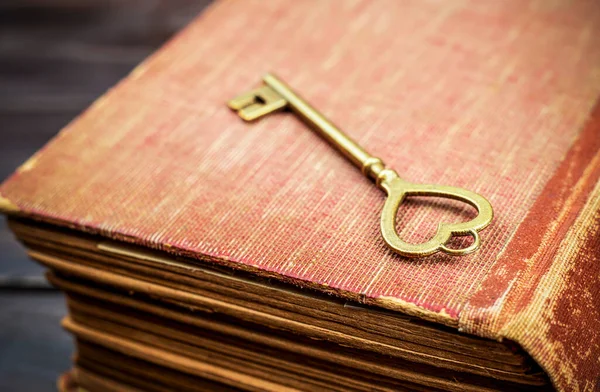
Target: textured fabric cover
{"points": [[494, 96]]}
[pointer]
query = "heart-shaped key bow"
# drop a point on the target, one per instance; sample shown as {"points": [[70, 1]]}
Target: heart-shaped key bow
{"points": [[397, 191]]}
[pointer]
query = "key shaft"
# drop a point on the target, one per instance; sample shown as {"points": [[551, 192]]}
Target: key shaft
{"points": [[277, 95], [319, 123]]}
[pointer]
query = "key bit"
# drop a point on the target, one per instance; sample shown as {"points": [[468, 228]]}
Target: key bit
{"points": [[257, 103]]}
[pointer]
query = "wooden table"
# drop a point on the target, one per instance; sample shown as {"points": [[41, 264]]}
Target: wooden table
{"points": [[56, 57]]}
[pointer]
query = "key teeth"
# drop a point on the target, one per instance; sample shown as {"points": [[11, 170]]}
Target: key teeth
{"points": [[253, 111], [240, 102]]}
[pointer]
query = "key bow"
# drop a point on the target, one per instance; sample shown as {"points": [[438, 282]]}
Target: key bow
{"points": [[397, 190]]}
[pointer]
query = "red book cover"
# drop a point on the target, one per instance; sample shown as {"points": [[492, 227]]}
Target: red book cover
{"points": [[496, 97]]}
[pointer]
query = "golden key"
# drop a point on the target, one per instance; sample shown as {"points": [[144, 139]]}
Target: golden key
{"points": [[275, 95]]}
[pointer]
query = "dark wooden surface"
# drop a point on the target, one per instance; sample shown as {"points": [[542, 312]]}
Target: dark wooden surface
{"points": [[56, 57]]}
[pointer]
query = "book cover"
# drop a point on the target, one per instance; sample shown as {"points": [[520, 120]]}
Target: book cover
{"points": [[498, 98]]}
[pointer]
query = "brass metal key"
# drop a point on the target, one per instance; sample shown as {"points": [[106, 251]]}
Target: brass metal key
{"points": [[275, 95]]}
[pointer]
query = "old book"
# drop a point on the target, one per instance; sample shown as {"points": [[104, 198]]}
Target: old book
{"points": [[195, 248]]}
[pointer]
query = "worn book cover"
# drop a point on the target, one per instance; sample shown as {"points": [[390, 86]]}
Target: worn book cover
{"points": [[496, 97]]}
